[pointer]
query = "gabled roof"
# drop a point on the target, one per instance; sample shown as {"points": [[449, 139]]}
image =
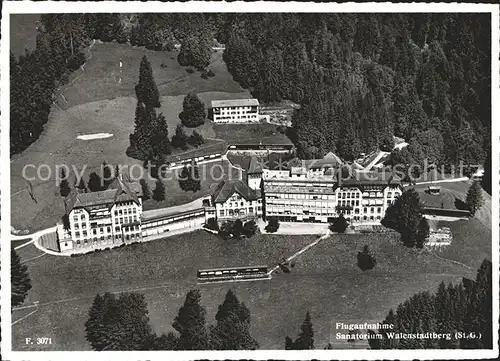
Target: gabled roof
{"points": [[329, 160], [255, 166], [117, 191], [227, 188], [125, 191]]}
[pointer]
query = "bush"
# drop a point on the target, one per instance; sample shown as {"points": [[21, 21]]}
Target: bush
{"points": [[212, 224], [204, 75], [365, 260], [210, 73], [339, 224], [237, 229], [226, 230], [281, 129], [190, 70], [249, 228], [272, 225]]}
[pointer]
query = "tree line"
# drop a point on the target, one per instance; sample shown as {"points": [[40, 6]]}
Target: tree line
{"points": [[465, 308], [362, 78], [405, 215], [359, 78], [121, 322], [36, 75]]}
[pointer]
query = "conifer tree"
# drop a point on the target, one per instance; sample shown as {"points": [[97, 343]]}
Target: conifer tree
{"points": [[443, 307], [478, 315], [159, 192], [119, 324], [64, 188], [95, 183], [422, 232], [190, 323], [195, 51], [305, 341], [195, 178], [486, 180], [193, 111], [474, 198], [106, 173], [146, 192], [94, 326], [81, 185], [166, 342], [20, 280], [232, 331], [230, 305], [179, 139], [365, 259], [117, 171], [146, 90], [195, 139], [232, 334], [159, 140], [185, 178], [189, 179]]}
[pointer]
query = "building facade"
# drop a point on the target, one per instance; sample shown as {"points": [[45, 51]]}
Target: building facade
{"points": [[235, 111], [103, 218], [234, 199]]}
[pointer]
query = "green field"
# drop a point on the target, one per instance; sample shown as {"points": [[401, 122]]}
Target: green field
{"points": [[453, 191], [251, 133], [164, 270], [100, 79], [97, 103], [325, 281]]}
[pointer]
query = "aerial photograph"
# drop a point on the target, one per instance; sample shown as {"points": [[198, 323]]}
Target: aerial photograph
{"points": [[251, 181]]}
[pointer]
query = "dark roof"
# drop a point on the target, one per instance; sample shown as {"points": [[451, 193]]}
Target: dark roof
{"points": [[255, 165], [204, 150], [372, 178], [235, 103], [329, 160], [117, 191], [227, 188], [271, 140]]}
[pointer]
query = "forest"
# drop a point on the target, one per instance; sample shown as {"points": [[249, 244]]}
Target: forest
{"points": [[362, 78], [359, 78], [463, 310]]}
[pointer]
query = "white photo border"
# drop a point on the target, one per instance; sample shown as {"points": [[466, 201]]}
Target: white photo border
{"points": [[26, 7]]}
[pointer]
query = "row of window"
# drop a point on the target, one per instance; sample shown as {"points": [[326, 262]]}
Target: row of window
{"points": [[326, 196], [235, 117], [129, 219], [239, 204], [125, 211], [237, 108], [319, 210], [95, 240], [107, 229], [236, 212]]}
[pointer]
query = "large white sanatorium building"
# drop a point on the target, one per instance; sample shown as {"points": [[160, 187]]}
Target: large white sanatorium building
{"points": [[307, 191], [235, 111], [105, 217], [315, 192]]}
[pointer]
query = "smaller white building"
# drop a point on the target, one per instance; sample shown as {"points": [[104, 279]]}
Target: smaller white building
{"points": [[235, 111], [234, 199]]}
